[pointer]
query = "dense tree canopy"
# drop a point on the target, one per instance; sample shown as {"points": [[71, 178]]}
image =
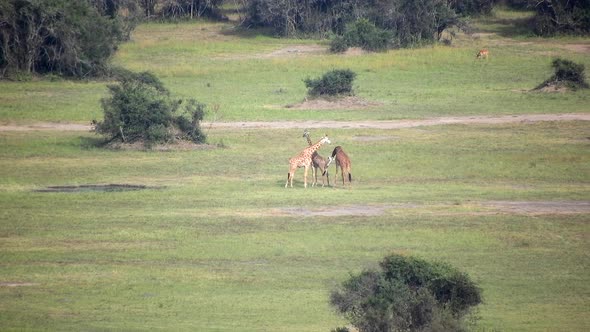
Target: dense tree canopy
{"points": [[60, 36], [408, 22], [561, 16]]}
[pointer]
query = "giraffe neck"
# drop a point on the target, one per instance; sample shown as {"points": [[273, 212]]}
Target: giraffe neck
{"points": [[309, 140], [312, 148]]}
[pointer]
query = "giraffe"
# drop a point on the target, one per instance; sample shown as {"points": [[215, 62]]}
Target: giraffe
{"points": [[318, 162], [342, 161], [303, 159]]}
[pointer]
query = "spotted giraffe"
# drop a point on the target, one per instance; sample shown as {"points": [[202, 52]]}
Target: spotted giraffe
{"points": [[318, 163], [303, 159]]}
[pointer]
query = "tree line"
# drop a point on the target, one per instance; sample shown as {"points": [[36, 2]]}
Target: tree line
{"points": [[77, 38]]}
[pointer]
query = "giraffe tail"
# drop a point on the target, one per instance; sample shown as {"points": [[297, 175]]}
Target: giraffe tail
{"points": [[349, 177]]}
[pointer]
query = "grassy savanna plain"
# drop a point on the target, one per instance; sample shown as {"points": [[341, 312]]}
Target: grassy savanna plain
{"points": [[217, 244]]}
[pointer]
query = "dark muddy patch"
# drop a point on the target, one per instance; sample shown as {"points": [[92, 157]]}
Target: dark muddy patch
{"points": [[95, 188]]}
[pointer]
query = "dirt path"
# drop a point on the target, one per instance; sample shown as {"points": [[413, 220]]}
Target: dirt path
{"points": [[369, 124]]}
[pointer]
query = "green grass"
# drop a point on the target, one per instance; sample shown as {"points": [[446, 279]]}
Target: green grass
{"points": [[213, 247], [219, 65]]}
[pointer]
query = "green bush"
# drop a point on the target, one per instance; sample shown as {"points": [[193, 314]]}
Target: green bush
{"points": [[407, 294], [141, 109], [333, 83], [567, 73], [363, 34], [339, 44]]}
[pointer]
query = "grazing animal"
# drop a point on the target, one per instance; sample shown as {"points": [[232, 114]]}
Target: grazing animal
{"points": [[483, 53], [318, 162], [343, 162], [303, 159]]}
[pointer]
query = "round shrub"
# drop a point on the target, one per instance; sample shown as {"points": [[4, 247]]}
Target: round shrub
{"points": [[338, 44], [333, 83], [567, 73], [407, 294]]}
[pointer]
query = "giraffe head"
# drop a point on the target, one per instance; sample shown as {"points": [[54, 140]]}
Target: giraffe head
{"points": [[330, 160], [306, 133], [325, 139]]}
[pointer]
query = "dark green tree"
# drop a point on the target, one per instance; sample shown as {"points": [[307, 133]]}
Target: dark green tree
{"points": [[407, 294], [64, 37], [141, 109], [561, 17]]}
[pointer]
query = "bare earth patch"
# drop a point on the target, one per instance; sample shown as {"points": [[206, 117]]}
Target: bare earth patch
{"points": [[542, 207], [580, 48], [285, 52], [337, 211], [489, 207], [350, 102]]}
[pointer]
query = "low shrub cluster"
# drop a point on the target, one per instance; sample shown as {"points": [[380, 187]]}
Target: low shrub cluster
{"points": [[407, 294], [567, 74], [333, 83]]}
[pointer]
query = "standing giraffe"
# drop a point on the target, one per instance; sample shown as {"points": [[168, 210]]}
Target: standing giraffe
{"points": [[342, 161], [318, 162], [303, 159]]}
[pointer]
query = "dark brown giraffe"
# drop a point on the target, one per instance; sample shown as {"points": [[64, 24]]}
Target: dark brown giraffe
{"points": [[343, 162], [303, 159], [318, 162]]}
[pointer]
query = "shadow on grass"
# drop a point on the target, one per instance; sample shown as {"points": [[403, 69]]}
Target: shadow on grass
{"points": [[90, 143], [249, 32], [508, 27]]}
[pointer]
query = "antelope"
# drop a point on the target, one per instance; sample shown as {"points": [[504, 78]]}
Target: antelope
{"points": [[483, 53]]}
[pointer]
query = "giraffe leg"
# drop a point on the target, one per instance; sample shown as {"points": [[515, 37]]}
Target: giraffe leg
{"points": [[305, 176]]}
